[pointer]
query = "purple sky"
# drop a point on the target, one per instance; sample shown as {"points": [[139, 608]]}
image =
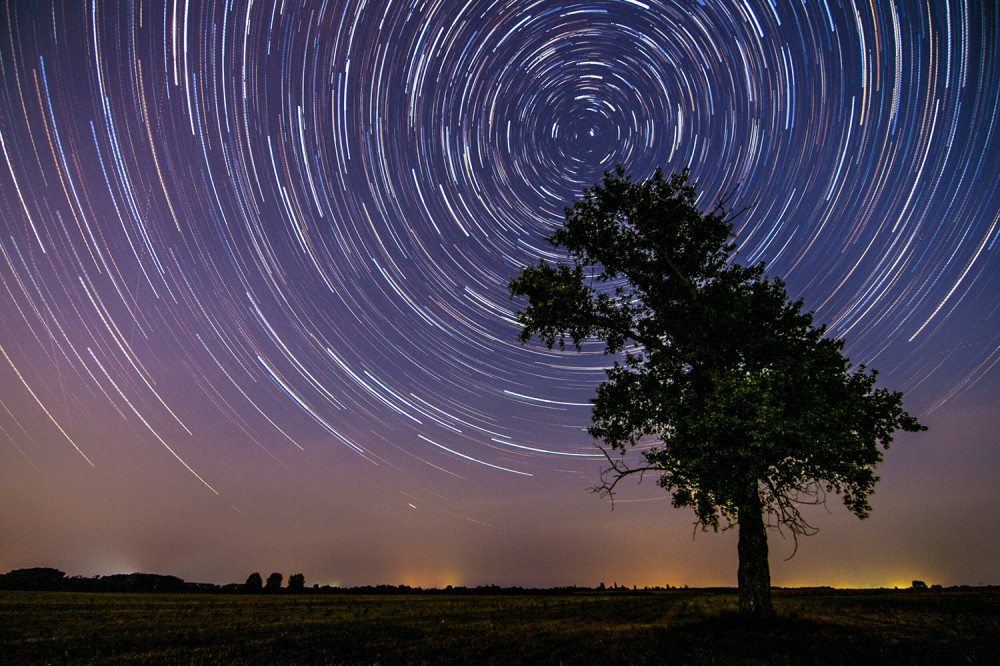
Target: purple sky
{"points": [[253, 267]]}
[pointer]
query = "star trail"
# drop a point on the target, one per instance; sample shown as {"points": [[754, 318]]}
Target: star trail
{"points": [[248, 240]]}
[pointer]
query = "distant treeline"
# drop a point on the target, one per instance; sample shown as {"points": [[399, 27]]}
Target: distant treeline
{"points": [[44, 578], [49, 579]]}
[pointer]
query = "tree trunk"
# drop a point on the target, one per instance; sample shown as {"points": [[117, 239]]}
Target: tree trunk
{"points": [[754, 575]]}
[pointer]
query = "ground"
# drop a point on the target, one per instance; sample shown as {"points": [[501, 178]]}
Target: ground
{"points": [[611, 627]]}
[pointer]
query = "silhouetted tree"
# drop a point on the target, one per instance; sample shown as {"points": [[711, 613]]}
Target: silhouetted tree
{"points": [[142, 582], [36, 578], [254, 583], [273, 582], [296, 582], [742, 408]]}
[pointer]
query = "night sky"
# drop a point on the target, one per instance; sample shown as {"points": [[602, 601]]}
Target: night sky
{"points": [[254, 257]]}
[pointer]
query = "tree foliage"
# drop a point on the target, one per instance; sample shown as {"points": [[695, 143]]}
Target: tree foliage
{"points": [[297, 582], [254, 583], [733, 397], [273, 583]]}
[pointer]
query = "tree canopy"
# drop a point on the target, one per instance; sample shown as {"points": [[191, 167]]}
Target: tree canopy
{"points": [[296, 582], [273, 583], [254, 583], [731, 395]]}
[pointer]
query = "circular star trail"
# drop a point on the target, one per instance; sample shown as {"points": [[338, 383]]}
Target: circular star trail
{"points": [[285, 229]]}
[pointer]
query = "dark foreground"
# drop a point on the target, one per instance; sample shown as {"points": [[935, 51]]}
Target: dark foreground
{"points": [[682, 627]]}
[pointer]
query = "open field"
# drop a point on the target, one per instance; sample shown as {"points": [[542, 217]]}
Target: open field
{"points": [[677, 626]]}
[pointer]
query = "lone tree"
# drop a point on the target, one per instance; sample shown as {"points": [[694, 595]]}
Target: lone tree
{"points": [[725, 388]]}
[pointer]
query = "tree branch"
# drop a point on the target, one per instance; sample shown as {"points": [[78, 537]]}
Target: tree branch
{"points": [[787, 513], [618, 470]]}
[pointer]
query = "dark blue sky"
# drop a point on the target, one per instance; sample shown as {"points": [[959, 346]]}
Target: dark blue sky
{"points": [[254, 261]]}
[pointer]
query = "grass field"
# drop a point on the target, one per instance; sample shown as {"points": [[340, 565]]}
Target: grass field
{"points": [[680, 626]]}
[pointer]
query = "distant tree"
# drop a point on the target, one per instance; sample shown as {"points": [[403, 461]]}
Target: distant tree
{"points": [[273, 582], [742, 408], [36, 578], [296, 582], [143, 582], [254, 583]]}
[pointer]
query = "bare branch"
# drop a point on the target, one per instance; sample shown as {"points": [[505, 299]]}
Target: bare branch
{"points": [[612, 475], [784, 505]]}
